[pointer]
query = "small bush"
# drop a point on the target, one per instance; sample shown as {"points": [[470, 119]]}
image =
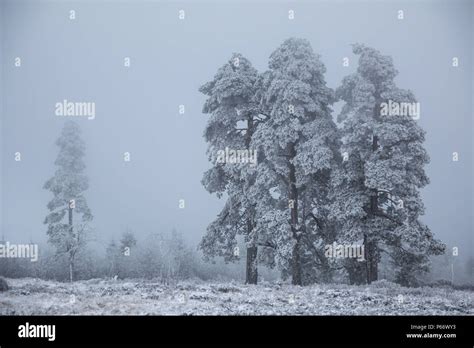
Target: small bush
{"points": [[3, 285]]}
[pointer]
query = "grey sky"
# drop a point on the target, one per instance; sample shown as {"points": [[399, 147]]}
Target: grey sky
{"points": [[137, 108]]}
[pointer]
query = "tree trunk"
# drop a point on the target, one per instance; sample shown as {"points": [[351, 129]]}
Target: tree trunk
{"points": [[71, 256], [374, 262], [251, 267], [371, 250], [293, 202], [70, 217], [296, 278], [251, 276], [71, 269], [371, 260]]}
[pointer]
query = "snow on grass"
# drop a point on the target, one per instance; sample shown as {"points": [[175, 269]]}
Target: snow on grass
{"points": [[30, 296]]}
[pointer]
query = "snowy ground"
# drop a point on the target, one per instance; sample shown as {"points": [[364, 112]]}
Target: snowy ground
{"points": [[109, 297]]}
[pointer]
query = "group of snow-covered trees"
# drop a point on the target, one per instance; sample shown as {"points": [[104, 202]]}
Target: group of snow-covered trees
{"points": [[315, 181]]}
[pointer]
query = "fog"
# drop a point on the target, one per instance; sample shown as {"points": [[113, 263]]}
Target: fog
{"points": [[137, 108]]}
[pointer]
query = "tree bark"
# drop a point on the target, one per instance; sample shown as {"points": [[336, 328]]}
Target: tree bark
{"points": [[371, 260], [251, 276], [71, 251], [371, 249], [296, 265], [251, 267], [71, 270], [70, 218], [293, 198]]}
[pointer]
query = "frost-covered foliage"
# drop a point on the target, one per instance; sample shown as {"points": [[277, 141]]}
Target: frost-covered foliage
{"points": [[376, 191], [118, 255], [163, 256], [234, 116], [300, 145], [316, 183], [68, 185], [148, 297], [51, 265], [279, 204]]}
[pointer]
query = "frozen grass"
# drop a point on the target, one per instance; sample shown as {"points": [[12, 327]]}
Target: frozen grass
{"points": [[141, 297]]}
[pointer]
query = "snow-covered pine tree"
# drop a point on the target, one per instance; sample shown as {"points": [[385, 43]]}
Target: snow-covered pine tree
{"points": [[377, 189], [127, 241], [127, 253], [178, 255], [231, 125], [300, 146], [68, 185], [112, 255]]}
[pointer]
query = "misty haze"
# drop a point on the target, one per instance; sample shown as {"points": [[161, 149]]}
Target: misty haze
{"points": [[232, 157]]}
